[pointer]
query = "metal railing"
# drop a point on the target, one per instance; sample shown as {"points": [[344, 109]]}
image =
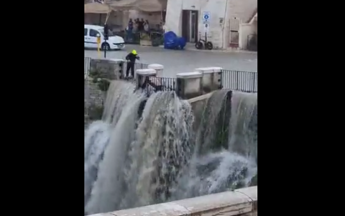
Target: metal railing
{"points": [[155, 84], [240, 80]]}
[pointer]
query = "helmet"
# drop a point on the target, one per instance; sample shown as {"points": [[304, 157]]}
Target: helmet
{"points": [[134, 52]]}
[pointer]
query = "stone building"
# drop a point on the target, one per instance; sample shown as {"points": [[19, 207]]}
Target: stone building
{"points": [[186, 18]]}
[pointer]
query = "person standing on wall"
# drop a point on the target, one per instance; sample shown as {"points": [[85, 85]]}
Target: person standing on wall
{"points": [[131, 57]]}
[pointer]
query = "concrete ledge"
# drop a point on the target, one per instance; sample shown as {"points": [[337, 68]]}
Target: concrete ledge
{"points": [[142, 74], [158, 67], [189, 84], [200, 98], [230, 203]]}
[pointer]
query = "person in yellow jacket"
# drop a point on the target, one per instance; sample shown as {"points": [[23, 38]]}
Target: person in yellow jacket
{"points": [[131, 57]]}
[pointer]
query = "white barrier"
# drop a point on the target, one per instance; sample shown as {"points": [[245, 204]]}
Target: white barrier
{"points": [[189, 84], [211, 78], [158, 67]]}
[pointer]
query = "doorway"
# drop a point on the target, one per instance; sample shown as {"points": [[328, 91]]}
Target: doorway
{"points": [[190, 25], [234, 32]]}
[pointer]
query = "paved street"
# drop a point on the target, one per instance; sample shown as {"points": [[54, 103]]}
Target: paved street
{"points": [[176, 61]]}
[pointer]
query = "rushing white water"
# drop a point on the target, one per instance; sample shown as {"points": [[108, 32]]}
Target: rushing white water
{"points": [[207, 130], [216, 171], [243, 129], [108, 188], [96, 139], [133, 160], [117, 96], [213, 173], [97, 135], [162, 146]]}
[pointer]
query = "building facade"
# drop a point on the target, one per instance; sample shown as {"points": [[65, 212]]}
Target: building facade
{"points": [[186, 18]]}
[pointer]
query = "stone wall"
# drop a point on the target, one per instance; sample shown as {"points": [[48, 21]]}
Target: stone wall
{"points": [[94, 98], [108, 69], [238, 202], [93, 101], [198, 105]]}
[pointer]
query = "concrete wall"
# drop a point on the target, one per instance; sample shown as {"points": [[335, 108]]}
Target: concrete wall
{"points": [[245, 30], [221, 11], [109, 69], [173, 17], [242, 10], [216, 9], [198, 105], [238, 202], [93, 101]]}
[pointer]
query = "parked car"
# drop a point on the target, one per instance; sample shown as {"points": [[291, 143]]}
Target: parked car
{"points": [[90, 38]]}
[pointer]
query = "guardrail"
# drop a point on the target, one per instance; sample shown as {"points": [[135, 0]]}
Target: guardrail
{"points": [[240, 80], [238, 202]]}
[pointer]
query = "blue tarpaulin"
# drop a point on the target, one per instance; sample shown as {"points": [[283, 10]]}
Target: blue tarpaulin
{"points": [[172, 41]]}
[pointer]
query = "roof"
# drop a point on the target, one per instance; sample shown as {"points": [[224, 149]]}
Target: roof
{"points": [[142, 5], [96, 8], [93, 26], [254, 16]]}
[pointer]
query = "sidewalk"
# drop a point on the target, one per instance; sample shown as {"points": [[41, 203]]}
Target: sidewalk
{"points": [[191, 47]]}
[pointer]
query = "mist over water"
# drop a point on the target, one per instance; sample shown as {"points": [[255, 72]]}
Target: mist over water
{"points": [[137, 157]]}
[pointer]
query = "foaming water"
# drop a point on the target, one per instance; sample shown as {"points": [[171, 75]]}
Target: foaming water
{"points": [[96, 139], [117, 96], [135, 158], [243, 124], [162, 146], [207, 131], [107, 189], [211, 170], [213, 173]]}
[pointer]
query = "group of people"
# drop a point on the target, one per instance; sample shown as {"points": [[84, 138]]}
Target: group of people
{"points": [[138, 25]]}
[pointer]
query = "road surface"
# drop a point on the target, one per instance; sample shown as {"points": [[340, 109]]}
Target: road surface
{"points": [[176, 61]]}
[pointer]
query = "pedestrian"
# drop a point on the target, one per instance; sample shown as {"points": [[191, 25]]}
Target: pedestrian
{"points": [[146, 26], [129, 31], [141, 24], [131, 57]]}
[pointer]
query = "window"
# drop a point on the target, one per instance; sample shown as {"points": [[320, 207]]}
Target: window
{"points": [[93, 33], [85, 32], [110, 33]]}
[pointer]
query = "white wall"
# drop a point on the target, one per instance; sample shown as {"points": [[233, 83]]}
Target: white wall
{"points": [[216, 9], [219, 10], [241, 9], [173, 19], [246, 29], [244, 9]]}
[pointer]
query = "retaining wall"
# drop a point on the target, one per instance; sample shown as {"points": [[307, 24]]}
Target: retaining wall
{"points": [[238, 202]]}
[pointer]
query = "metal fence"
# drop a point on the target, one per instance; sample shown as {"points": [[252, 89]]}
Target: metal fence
{"points": [[154, 84], [240, 80]]}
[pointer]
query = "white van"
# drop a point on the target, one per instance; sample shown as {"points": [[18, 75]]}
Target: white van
{"points": [[90, 38]]}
